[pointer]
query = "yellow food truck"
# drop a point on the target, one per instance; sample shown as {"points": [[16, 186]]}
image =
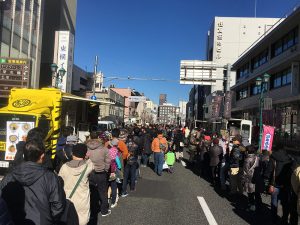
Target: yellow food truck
{"points": [[46, 108]]}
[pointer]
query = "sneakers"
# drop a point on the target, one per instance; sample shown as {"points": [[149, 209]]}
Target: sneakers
{"points": [[107, 214], [113, 205], [124, 195]]}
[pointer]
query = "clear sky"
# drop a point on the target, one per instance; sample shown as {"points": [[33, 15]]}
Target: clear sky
{"points": [[148, 38]]}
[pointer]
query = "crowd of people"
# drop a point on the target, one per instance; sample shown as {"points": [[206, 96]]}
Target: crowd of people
{"points": [[89, 178], [236, 166], [84, 179]]}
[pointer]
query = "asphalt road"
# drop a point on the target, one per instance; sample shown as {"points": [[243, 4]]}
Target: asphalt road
{"points": [[172, 199]]}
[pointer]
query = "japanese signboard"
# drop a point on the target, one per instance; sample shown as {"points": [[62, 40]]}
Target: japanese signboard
{"points": [[267, 138], [216, 106], [227, 104], [219, 38], [64, 53], [13, 73]]}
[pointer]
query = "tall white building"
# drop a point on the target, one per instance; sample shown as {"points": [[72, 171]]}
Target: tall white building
{"points": [[182, 111], [229, 37]]}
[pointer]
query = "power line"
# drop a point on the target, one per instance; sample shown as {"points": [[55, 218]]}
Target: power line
{"points": [[140, 79]]}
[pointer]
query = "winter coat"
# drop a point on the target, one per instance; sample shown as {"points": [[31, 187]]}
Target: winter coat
{"points": [[160, 140], [147, 139], [177, 139], [214, 153], [70, 173], [99, 155], [5, 218], [237, 155], [251, 162], [295, 181], [33, 194], [283, 170]]}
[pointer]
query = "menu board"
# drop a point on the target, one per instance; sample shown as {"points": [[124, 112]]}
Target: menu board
{"points": [[16, 131], [13, 73]]}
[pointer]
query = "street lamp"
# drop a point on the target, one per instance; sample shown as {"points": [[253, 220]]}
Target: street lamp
{"points": [[57, 76], [261, 83]]}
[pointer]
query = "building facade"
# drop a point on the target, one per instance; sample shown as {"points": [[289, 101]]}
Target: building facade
{"points": [[59, 15], [168, 114], [21, 33], [277, 54]]}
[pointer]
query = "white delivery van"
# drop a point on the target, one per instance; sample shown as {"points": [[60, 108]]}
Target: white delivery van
{"points": [[106, 125]]}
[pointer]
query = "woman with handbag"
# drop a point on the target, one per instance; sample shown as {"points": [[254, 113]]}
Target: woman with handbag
{"points": [[76, 185]]}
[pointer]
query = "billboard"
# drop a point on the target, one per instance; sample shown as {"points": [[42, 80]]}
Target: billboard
{"points": [[136, 98], [198, 72], [13, 73], [227, 104], [64, 53]]}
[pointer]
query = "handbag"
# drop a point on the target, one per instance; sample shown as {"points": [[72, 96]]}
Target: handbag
{"points": [[271, 188], [78, 182]]}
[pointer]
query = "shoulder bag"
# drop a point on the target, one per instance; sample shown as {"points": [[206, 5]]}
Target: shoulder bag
{"points": [[78, 182]]}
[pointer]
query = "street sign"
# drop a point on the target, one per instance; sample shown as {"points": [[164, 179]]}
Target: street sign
{"points": [[136, 98], [93, 97], [13, 73]]}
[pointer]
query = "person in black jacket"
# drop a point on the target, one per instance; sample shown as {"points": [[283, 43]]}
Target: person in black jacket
{"points": [[146, 150], [278, 174], [178, 143], [32, 192]]}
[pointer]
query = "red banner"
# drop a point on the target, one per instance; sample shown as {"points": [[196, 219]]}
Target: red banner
{"points": [[267, 138]]}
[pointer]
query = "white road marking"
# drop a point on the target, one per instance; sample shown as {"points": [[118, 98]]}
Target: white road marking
{"points": [[209, 216], [183, 163]]}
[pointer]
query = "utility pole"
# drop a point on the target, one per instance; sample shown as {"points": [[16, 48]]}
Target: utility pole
{"points": [[255, 5], [95, 74]]}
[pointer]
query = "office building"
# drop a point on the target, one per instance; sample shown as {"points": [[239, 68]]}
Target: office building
{"points": [[276, 54]]}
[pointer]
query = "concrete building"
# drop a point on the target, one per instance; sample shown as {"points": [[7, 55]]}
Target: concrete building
{"points": [[227, 39], [182, 112], [277, 54], [59, 15], [168, 114], [21, 33], [81, 81], [113, 112], [162, 99]]}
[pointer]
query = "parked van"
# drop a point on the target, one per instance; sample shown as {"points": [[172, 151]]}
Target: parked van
{"points": [[106, 125]]}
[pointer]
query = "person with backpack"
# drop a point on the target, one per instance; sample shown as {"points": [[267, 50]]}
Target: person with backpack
{"points": [[33, 193], [76, 185], [250, 164], [278, 180], [178, 143], [159, 147], [99, 155]]}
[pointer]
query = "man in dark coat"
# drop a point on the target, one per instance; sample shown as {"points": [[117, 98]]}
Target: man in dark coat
{"points": [[33, 193]]}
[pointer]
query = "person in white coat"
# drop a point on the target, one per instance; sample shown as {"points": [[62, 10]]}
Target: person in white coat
{"points": [[76, 170]]}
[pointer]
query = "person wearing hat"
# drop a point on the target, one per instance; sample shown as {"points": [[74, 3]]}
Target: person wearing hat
{"points": [[77, 171], [236, 164]]}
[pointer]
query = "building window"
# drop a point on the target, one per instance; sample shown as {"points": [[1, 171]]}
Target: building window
{"points": [[260, 59], [243, 71], [241, 94], [287, 41], [282, 78]]}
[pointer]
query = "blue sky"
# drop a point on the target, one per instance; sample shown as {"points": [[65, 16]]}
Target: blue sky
{"points": [[148, 38]]}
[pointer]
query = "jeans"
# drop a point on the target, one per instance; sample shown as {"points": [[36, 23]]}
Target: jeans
{"points": [[101, 180], [129, 172], [223, 172], [145, 158], [159, 162], [114, 187]]}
